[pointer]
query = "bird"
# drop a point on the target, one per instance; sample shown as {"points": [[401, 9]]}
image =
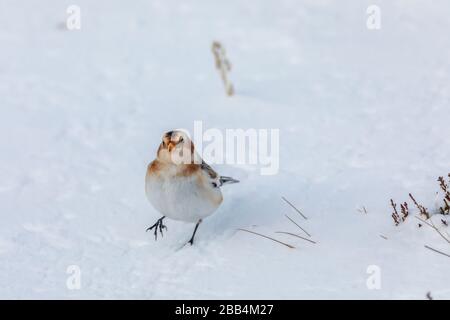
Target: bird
{"points": [[181, 185]]}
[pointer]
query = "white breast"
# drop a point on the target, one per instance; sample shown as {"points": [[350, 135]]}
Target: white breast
{"points": [[182, 198]]}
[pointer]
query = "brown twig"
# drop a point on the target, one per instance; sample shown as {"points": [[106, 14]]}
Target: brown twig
{"points": [[295, 235], [298, 225], [363, 210], [405, 211], [223, 65], [395, 214], [287, 201], [261, 235], [435, 250], [421, 208], [445, 188], [431, 225]]}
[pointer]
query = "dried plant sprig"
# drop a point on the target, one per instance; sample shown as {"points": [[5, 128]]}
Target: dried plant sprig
{"points": [[431, 225], [405, 211], [306, 232], [437, 251], [223, 65], [443, 209], [267, 237], [443, 184], [422, 209], [363, 210], [445, 188], [395, 214], [296, 235], [294, 207]]}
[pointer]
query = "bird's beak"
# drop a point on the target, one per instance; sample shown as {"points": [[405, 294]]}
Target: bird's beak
{"points": [[170, 146]]}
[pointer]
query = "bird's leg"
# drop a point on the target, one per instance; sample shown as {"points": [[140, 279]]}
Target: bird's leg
{"points": [[158, 225], [195, 230]]}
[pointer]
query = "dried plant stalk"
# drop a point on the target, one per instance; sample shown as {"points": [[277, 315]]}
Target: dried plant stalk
{"points": [[405, 211], [363, 210], [422, 209], [443, 209], [445, 188], [296, 235], [437, 251], [431, 225], [306, 232], [261, 235], [395, 214], [223, 65], [294, 207]]}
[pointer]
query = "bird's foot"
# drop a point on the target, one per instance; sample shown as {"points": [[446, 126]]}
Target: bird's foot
{"points": [[191, 242], [158, 226]]}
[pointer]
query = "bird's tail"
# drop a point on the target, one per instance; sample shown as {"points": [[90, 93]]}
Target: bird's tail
{"points": [[227, 180]]}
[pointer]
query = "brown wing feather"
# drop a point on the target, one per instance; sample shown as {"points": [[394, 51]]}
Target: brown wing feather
{"points": [[209, 170]]}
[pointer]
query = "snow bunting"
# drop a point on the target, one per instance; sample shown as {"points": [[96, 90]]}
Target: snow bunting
{"points": [[180, 185]]}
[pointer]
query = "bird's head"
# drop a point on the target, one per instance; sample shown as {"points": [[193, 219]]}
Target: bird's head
{"points": [[177, 148]]}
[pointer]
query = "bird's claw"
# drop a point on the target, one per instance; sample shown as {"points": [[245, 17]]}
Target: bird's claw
{"points": [[158, 226], [191, 242]]}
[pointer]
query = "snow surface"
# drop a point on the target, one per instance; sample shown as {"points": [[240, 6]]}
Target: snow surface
{"points": [[363, 117]]}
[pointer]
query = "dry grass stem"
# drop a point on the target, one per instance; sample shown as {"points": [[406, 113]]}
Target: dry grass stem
{"points": [[421, 208], [431, 225], [306, 232], [395, 214], [437, 251], [261, 235], [363, 210], [296, 235], [446, 190], [287, 201], [223, 65]]}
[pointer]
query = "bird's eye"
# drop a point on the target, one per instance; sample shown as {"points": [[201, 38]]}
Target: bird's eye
{"points": [[181, 139]]}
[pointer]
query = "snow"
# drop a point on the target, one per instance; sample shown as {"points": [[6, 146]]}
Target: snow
{"points": [[363, 117]]}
